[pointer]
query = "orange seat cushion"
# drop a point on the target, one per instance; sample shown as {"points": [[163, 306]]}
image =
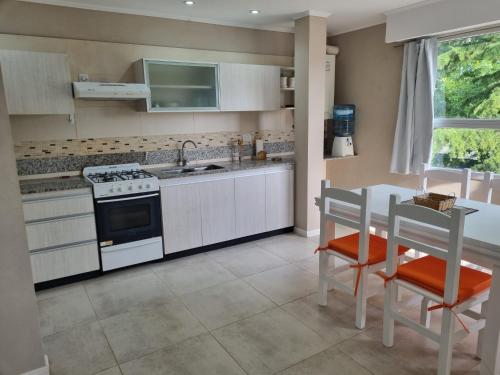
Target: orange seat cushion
{"points": [[349, 246], [430, 273]]}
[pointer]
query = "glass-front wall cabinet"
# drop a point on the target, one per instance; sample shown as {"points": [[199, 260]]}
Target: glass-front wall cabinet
{"points": [[181, 86]]}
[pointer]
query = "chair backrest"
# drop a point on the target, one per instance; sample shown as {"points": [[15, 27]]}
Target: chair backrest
{"points": [[461, 176], [453, 224], [491, 183], [360, 223]]}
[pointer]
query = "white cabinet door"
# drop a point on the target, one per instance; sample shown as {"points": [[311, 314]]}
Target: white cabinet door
{"points": [[36, 83], [246, 87], [217, 210], [279, 200], [181, 217], [250, 201]]}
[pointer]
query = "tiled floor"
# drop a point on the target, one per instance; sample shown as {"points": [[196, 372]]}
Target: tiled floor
{"points": [[249, 309]]}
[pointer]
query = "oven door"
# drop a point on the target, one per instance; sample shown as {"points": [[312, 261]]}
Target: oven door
{"points": [[128, 218]]}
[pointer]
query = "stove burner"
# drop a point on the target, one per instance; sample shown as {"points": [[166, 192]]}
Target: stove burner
{"points": [[118, 176]]}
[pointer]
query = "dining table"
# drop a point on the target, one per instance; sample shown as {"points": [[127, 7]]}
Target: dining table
{"points": [[481, 246]]}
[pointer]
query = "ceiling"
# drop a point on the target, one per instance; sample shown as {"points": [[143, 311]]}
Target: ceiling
{"points": [[345, 15]]}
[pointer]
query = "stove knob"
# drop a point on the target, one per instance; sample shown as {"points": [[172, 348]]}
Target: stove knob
{"points": [[139, 187], [130, 188], [148, 186], [111, 190], [119, 189]]}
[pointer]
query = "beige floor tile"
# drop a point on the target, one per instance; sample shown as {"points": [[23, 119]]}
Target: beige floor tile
{"points": [[328, 362], [226, 303], [134, 334], [289, 246], [335, 322], [411, 353], [58, 291], [111, 371], [284, 284], [246, 260], [183, 278], [64, 311], [82, 350], [121, 292], [195, 356], [269, 342]]}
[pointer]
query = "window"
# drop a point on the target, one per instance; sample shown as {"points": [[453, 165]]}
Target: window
{"points": [[467, 104]]}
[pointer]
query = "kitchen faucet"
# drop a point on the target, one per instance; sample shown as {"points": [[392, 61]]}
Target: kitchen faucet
{"points": [[182, 161]]}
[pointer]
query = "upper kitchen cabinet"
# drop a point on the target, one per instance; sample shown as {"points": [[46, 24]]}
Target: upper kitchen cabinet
{"points": [[37, 83], [179, 86], [246, 87]]}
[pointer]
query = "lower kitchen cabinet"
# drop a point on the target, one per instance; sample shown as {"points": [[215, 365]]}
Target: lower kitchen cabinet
{"points": [[250, 202], [279, 200], [217, 210], [181, 210], [206, 210], [64, 261]]}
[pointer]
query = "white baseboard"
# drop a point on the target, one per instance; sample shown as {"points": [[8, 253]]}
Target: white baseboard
{"points": [[306, 233], [41, 370]]}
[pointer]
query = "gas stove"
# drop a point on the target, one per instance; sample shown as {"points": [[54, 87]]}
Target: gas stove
{"points": [[122, 179]]}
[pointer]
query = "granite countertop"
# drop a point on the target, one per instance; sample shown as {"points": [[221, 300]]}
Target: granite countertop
{"points": [[45, 185], [162, 173]]}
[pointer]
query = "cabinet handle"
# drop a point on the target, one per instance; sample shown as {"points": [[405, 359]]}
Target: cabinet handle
{"points": [[62, 247], [58, 218]]}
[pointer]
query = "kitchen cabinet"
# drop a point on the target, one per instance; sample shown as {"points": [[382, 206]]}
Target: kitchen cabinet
{"points": [[250, 205], [204, 210], [217, 210], [179, 86], [181, 210], [61, 233], [36, 83], [66, 261], [279, 200], [247, 87]]}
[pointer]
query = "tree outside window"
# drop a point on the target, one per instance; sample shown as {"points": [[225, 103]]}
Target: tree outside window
{"points": [[467, 96]]}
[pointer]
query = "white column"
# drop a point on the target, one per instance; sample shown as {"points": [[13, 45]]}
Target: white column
{"points": [[310, 51]]}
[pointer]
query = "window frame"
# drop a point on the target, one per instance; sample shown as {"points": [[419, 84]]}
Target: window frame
{"points": [[466, 123]]}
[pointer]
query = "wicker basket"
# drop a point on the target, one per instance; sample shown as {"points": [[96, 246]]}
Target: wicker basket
{"points": [[435, 201]]}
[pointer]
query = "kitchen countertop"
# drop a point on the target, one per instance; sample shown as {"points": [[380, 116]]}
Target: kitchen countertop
{"points": [[228, 167], [45, 185]]}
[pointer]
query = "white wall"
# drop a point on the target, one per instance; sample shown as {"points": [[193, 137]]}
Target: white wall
{"points": [[440, 17]]}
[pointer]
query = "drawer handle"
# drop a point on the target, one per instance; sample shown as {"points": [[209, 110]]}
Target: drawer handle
{"points": [[59, 218], [62, 247]]}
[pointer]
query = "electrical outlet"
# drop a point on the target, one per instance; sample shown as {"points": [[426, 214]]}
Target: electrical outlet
{"points": [[83, 77], [247, 138]]}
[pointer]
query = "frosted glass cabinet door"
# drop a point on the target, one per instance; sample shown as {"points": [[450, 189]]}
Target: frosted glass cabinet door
{"points": [[177, 86]]}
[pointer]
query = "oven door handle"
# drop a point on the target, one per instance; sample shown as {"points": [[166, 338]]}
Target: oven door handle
{"points": [[129, 198]]}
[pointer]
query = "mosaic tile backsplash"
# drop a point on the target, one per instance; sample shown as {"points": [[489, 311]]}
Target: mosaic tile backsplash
{"points": [[45, 157]]}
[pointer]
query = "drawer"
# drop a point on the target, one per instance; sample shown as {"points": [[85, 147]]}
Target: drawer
{"points": [[65, 261], [60, 232], [57, 207]]}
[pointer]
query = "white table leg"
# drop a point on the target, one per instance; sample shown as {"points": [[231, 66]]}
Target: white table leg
{"points": [[490, 359]]}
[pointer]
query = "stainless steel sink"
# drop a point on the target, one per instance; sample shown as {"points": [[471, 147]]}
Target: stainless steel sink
{"points": [[209, 167]]}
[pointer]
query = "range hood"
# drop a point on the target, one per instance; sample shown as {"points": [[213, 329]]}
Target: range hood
{"points": [[110, 91]]}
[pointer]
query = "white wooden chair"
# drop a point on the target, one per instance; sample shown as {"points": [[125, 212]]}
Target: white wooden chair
{"points": [[437, 277], [364, 252], [491, 183], [461, 176]]}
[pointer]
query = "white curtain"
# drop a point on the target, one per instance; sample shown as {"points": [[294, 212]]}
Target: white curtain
{"points": [[413, 136]]}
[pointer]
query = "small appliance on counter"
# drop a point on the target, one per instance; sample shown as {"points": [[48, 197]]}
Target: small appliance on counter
{"points": [[128, 214], [343, 129]]}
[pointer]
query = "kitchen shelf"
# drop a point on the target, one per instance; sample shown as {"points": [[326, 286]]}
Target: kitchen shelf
{"points": [[290, 108], [330, 157], [288, 89]]}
